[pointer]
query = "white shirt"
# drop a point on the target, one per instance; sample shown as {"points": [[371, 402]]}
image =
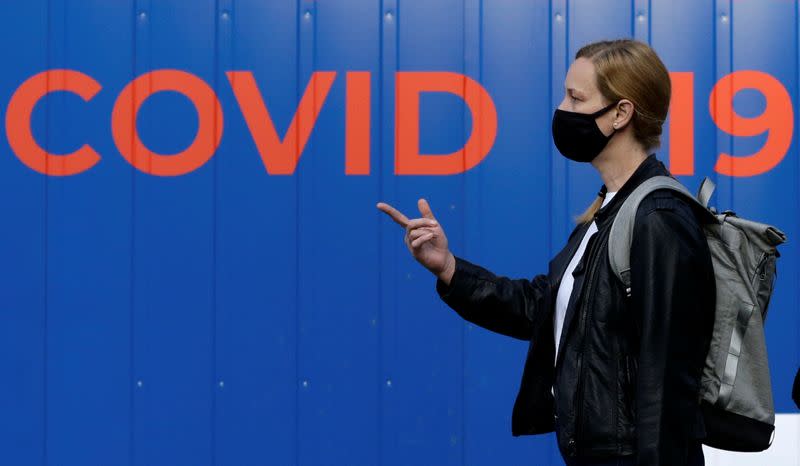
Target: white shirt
{"points": [[565, 287]]}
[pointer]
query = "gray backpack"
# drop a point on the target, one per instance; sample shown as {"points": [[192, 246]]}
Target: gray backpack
{"points": [[736, 393]]}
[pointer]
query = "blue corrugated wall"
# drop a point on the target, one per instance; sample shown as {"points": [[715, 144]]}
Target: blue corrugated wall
{"points": [[231, 316]]}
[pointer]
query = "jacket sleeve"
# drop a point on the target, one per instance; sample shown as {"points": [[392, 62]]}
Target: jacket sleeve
{"points": [[497, 303], [667, 279]]}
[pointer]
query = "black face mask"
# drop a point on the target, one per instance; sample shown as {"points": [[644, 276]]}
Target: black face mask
{"points": [[577, 135]]}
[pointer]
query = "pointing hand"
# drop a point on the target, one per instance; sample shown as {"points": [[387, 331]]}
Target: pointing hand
{"points": [[424, 237]]}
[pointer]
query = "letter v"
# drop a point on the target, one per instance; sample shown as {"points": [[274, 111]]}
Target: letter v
{"points": [[280, 156]]}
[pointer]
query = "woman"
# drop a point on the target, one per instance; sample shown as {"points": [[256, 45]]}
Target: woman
{"points": [[616, 377]]}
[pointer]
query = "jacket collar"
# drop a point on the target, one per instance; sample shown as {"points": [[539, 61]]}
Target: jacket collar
{"points": [[648, 168]]}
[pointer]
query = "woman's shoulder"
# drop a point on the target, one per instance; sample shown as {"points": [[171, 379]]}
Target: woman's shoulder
{"points": [[666, 199], [669, 215]]}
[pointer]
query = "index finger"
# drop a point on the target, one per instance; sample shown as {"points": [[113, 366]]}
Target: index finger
{"points": [[396, 215]]}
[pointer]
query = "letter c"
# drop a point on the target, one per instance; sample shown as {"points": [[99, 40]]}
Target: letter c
{"points": [[18, 122]]}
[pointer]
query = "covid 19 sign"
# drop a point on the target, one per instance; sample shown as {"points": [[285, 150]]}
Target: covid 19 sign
{"points": [[280, 153]]}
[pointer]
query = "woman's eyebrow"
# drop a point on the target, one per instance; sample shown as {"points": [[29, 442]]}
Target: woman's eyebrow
{"points": [[578, 91]]}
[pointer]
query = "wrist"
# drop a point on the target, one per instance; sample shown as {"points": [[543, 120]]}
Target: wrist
{"points": [[449, 269]]}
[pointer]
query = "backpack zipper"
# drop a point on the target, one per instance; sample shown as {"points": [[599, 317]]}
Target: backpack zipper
{"points": [[760, 276]]}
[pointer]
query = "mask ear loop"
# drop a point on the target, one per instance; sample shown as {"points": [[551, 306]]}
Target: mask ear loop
{"points": [[602, 111]]}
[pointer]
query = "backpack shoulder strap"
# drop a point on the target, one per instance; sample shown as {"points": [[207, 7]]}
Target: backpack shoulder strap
{"points": [[704, 191], [621, 234]]}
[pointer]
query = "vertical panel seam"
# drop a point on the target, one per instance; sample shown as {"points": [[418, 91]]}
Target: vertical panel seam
{"points": [[379, 298], [215, 165], [45, 237], [296, 381], [132, 269]]}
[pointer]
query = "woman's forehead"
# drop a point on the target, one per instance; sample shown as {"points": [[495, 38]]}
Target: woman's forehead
{"points": [[580, 77]]}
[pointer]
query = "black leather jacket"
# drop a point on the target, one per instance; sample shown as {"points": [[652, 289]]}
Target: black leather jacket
{"points": [[796, 389], [628, 369]]}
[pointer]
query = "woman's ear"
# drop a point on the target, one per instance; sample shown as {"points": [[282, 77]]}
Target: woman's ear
{"points": [[623, 113]]}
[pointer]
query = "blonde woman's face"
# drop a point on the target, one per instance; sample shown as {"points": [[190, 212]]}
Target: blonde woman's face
{"points": [[580, 93]]}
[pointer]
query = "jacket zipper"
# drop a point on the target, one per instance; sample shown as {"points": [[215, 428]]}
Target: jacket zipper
{"points": [[584, 298], [627, 372]]}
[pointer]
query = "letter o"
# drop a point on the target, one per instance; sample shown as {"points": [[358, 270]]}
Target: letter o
{"points": [[209, 128]]}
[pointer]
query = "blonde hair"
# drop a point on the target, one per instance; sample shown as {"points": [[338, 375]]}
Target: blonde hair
{"points": [[631, 69]]}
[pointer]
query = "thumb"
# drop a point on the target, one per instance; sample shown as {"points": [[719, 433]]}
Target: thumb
{"points": [[425, 209]]}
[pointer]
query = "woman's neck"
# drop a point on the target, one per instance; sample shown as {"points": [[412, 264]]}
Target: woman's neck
{"points": [[615, 170]]}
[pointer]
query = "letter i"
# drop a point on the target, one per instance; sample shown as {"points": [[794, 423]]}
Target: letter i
{"points": [[357, 116]]}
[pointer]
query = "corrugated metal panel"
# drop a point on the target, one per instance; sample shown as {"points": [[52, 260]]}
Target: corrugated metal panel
{"points": [[233, 315]]}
